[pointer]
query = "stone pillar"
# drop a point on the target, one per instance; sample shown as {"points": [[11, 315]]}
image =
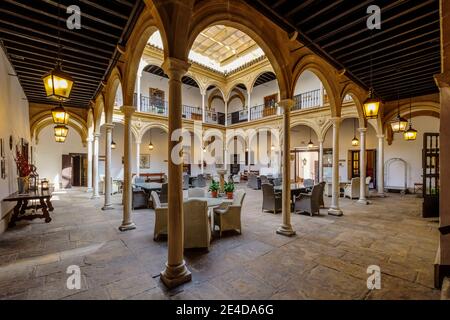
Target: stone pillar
{"points": [[203, 106], [226, 113], [176, 272], [286, 227], [362, 166], [108, 187], [249, 105], [334, 209], [89, 164], [320, 160], [138, 158], [127, 223], [380, 166], [95, 191], [138, 91]]}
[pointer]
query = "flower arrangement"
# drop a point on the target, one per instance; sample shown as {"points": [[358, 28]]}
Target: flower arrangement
{"points": [[23, 167]]}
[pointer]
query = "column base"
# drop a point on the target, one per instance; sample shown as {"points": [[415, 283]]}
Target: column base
{"points": [[363, 201], [335, 212], [107, 207], [173, 276], [95, 197], [89, 190], [127, 227], [286, 231], [381, 195]]}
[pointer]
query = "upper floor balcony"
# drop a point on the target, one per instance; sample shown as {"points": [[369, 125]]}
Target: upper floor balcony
{"points": [[308, 100]]}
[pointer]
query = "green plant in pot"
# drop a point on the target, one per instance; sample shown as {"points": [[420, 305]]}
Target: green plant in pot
{"points": [[214, 188], [229, 189]]}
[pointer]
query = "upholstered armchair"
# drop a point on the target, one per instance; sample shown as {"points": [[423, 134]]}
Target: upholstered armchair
{"points": [[228, 216], [160, 217], [309, 202], [196, 193], [197, 227], [253, 182], [200, 181], [351, 190], [368, 181], [271, 201]]}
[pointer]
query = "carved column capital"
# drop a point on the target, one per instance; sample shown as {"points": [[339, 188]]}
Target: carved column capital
{"points": [[128, 111], [175, 68], [362, 130], [109, 126], [286, 104], [442, 80]]}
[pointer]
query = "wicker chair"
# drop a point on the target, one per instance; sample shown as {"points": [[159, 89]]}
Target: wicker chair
{"points": [[308, 183], [228, 216], [197, 227], [139, 199], [322, 190], [160, 217], [271, 201], [164, 193], [185, 182], [264, 180], [253, 182], [196, 193], [308, 202]]}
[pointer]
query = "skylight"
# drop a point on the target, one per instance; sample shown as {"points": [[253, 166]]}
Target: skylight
{"points": [[156, 41]]}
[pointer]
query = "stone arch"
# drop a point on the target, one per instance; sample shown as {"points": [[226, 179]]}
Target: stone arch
{"points": [[99, 109], [216, 94], [323, 71], [111, 90], [151, 125], [134, 130], [358, 96], [235, 14], [257, 75], [233, 87], [44, 119], [309, 124], [147, 24]]}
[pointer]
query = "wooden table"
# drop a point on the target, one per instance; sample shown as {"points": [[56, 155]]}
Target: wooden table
{"points": [[23, 205]]}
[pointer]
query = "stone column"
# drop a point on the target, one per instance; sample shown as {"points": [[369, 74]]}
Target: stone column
{"points": [[320, 160], [89, 164], [176, 271], [226, 113], [203, 106], [138, 91], [362, 166], [138, 156], [249, 105], [380, 166], [95, 191], [127, 223], [334, 209], [286, 227], [108, 187]]}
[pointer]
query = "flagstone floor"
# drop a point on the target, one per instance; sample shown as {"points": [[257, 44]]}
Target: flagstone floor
{"points": [[327, 259]]}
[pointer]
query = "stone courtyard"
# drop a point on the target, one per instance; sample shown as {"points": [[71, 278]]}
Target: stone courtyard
{"points": [[327, 259]]}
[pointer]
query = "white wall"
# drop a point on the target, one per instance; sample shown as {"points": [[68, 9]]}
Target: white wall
{"points": [[345, 144], [49, 153], [116, 155], [308, 81], [411, 152], [14, 121], [191, 95], [264, 90]]}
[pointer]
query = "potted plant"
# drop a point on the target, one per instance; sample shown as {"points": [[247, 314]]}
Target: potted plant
{"points": [[214, 188], [229, 189], [23, 170]]}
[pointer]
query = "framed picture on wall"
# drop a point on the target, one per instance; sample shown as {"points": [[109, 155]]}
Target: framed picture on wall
{"points": [[144, 161]]}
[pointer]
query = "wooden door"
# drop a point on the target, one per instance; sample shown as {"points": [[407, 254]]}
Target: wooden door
{"points": [[430, 165], [66, 174]]}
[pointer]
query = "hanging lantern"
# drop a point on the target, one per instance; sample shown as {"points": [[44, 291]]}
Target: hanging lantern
{"points": [[371, 106], [113, 145], [60, 139], [410, 134], [272, 148], [399, 124], [61, 133], [310, 144], [58, 84], [44, 185], [60, 116], [150, 146], [355, 141]]}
